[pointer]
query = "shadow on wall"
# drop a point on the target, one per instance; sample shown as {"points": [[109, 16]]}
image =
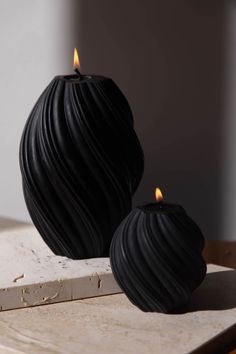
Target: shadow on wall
{"points": [[167, 57]]}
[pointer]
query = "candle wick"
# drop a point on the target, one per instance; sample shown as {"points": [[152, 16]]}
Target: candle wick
{"points": [[78, 73]]}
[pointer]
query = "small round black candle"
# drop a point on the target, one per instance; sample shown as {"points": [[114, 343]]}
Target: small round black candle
{"points": [[81, 162], [156, 256]]}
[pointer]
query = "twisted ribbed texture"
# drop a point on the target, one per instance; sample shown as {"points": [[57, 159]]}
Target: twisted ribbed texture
{"points": [[156, 258], [81, 162]]}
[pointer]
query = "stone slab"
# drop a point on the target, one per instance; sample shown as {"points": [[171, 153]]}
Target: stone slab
{"points": [[30, 274], [111, 324]]}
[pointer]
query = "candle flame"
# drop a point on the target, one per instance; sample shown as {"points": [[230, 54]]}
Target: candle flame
{"points": [[76, 62], [158, 195]]}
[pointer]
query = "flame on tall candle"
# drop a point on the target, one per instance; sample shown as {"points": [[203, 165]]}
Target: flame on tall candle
{"points": [[158, 195], [76, 62]]}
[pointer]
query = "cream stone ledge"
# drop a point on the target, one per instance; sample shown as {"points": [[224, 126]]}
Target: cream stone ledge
{"points": [[111, 324], [32, 275]]}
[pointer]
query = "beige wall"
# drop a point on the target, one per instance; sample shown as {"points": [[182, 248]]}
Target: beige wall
{"points": [[168, 57], [175, 61]]}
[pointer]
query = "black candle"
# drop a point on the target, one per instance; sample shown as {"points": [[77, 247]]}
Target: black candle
{"points": [[156, 256], [81, 162]]}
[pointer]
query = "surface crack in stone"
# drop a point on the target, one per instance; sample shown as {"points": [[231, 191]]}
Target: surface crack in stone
{"points": [[99, 281], [45, 299], [18, 277]]}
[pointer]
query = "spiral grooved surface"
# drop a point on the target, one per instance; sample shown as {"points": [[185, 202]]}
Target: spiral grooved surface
{"points": [[156, 259], [81, 162]]}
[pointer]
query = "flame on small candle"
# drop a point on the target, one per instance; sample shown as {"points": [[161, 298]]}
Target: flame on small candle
{"points": [[158, 195], [76, 62]]}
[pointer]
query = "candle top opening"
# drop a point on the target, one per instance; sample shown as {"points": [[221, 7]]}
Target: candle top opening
{"points": [[161, 207], [81, 79]]}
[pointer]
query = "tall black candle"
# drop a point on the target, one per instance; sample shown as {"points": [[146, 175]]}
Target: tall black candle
{"points": [[156, 256], [81, 161]]}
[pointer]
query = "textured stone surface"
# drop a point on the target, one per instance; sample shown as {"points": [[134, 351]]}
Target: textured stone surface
{"points": [[32, 275], [111, 324]]}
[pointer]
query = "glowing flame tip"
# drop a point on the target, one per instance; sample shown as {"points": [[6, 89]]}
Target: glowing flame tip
{"points": [[158, 195]]}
